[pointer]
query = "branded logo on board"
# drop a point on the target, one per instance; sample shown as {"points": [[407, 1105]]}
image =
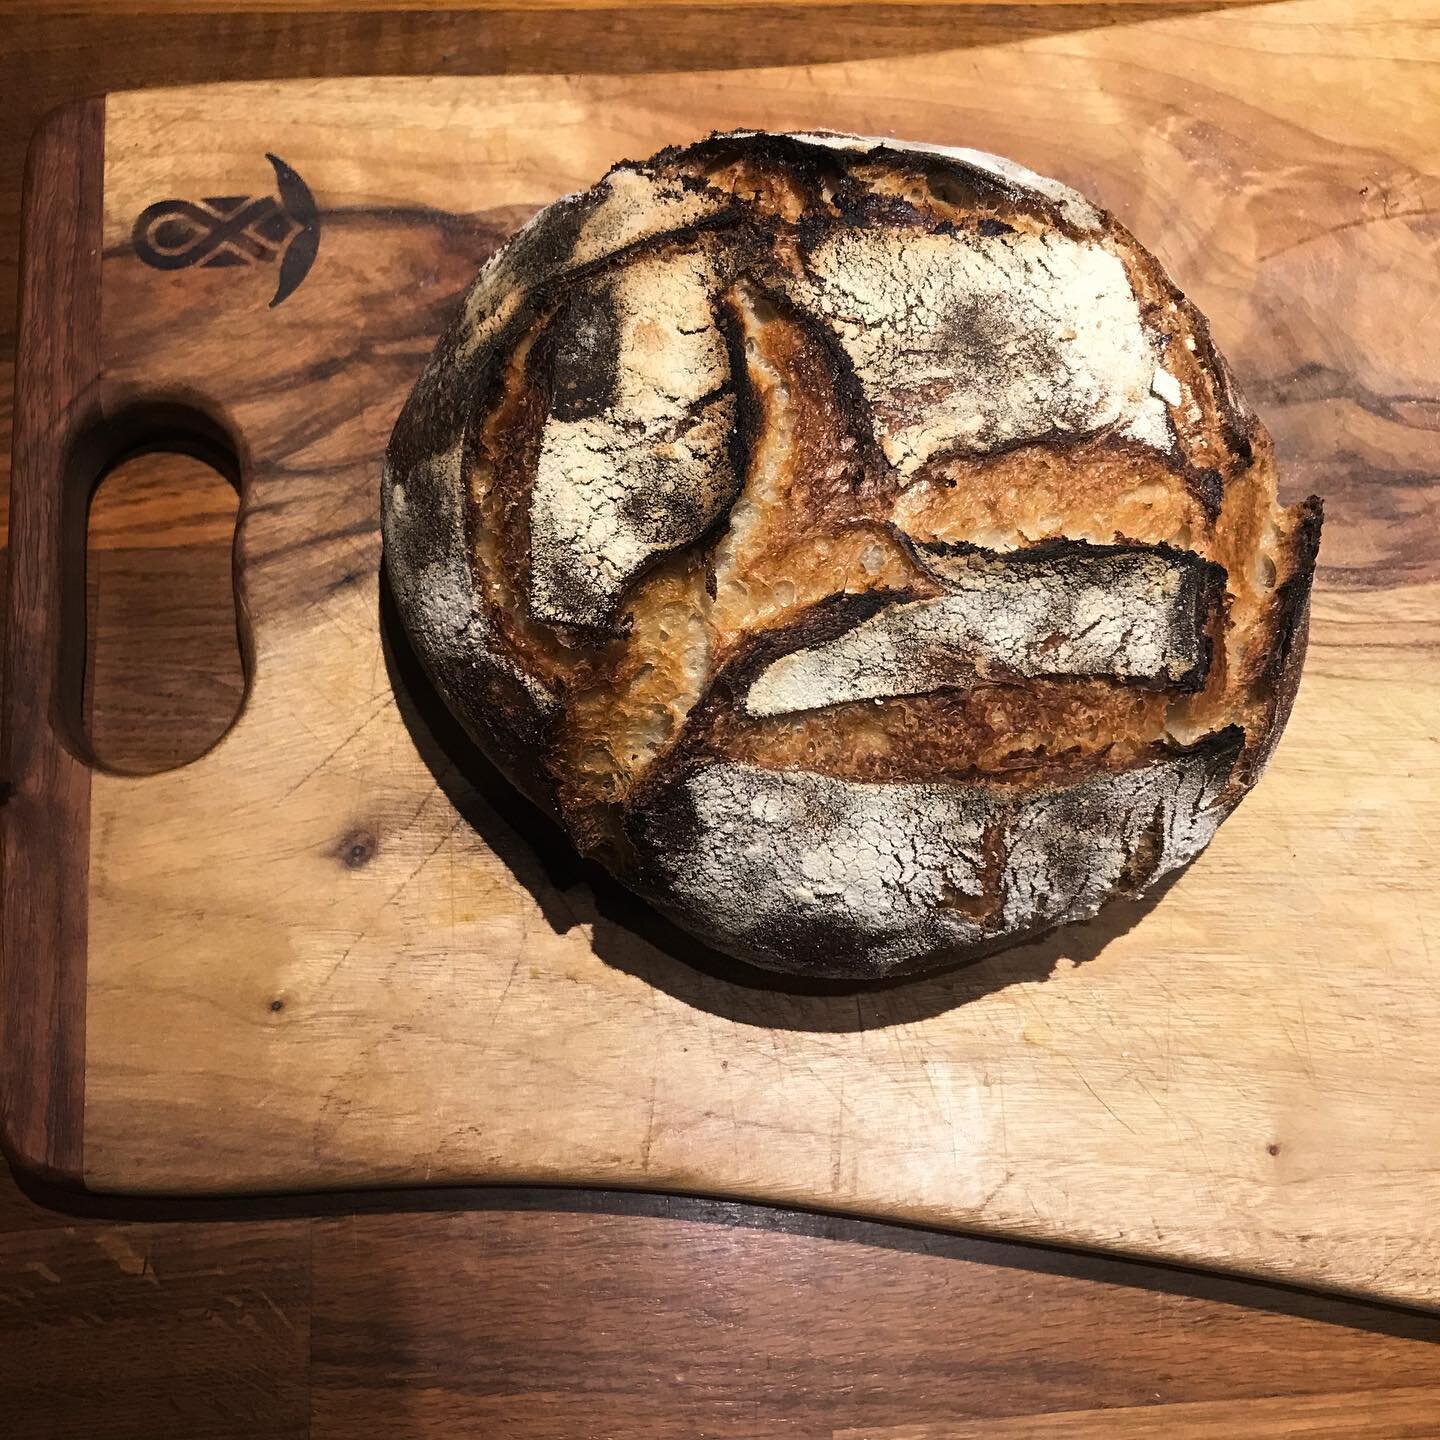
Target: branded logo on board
{"points": [[236, 230]]}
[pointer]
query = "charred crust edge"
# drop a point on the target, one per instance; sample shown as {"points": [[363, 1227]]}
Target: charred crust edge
{"points": [[986, 186], [1291, 632], [1061, 548], [811, 165]]}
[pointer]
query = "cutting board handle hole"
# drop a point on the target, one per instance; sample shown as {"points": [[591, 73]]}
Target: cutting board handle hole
{"points": [[158, 583]]}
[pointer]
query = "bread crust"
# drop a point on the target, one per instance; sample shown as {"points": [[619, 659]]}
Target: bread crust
{"points": [[891, 489]]}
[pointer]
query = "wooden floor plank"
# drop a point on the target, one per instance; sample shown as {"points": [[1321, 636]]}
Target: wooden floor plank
{"points": [[556, 1313], [1412, 1413], [113, 1332], [536, 1326], [18, 1212]]}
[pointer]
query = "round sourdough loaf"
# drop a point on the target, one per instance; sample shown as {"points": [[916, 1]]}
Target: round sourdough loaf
{"points": [[860, 546]]}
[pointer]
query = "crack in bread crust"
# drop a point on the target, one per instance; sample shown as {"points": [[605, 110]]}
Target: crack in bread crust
{"points": [[887, 484]]}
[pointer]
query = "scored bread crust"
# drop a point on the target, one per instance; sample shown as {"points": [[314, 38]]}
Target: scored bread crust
{"points": [[859, 546]]}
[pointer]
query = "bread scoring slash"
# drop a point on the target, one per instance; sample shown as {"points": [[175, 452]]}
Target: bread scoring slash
{"points": [[860, 546]]}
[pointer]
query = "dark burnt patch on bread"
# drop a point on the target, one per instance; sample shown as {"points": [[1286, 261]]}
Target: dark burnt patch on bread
{"points": [[988, 225], [934, 554], [855, 203], [1290, 622], [1207, 485], [775, 173], [582, 353]]}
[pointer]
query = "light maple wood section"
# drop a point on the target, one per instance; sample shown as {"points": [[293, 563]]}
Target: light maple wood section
{"points": [[308, 967]]}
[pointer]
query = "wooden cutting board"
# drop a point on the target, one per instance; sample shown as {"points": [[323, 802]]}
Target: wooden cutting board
{"points": [[333, 953]]}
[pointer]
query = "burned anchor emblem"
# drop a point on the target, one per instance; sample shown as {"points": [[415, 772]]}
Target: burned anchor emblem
{"points": [[236, 230]]}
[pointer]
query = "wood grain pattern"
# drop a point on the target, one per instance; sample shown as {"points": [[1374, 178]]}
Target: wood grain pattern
{"points": [[167, 7], [44, 841], [127, 1330], [1364, 1415], [53, 55], [1065, 1302], [744, 1334], [537, 1315], [1205, 1089]]}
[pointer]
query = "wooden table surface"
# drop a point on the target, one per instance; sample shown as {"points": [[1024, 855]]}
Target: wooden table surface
{"points": [[530, 1313]]}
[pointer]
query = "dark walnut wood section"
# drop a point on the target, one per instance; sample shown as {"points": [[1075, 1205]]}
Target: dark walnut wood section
{"points": [[538, 1315], [45, 835]]}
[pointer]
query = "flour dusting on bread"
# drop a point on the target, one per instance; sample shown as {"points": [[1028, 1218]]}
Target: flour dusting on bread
{"points": [[858, 545], [635, 456], [873, 877], [1138, 615], [970, 343]]}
